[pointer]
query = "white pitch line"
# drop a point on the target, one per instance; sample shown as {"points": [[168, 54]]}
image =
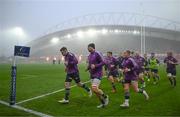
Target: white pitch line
{"points": [[40, 96], [25, 109]]}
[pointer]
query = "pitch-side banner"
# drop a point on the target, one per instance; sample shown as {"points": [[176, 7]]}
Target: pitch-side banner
{"points": [[22, 51]]}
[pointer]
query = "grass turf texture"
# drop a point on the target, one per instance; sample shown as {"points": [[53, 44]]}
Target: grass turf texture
{"points": [[37, 79]]}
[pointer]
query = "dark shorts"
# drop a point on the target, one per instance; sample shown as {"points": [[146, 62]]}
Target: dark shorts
{"points": [[113, 74], [154, 70], [128, 81], [171, 71], [73, 76], [146, 69]]}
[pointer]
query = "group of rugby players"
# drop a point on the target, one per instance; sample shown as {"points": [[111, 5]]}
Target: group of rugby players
{"points": [[130, 69]]}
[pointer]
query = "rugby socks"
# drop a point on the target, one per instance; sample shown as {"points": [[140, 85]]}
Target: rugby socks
{"points": [[67, 93], [102, 100], [148, 76], [127, 96], [143, 83], [157, 76], [144, 93], [104, 96], [155, 81], [170, 79], [140, 90], [174, 79], [85, 87]]}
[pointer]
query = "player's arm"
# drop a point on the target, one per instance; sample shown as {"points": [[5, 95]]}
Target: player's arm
{"points": [[134, 66], [101, 61], [116, 62], [175, 62]]}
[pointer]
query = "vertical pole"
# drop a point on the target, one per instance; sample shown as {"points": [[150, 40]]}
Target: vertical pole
{"points": [[141, 40], [141, 6], [144, 32], [13, 83], [144, 39]]}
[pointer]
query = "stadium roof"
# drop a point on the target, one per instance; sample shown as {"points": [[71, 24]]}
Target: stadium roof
{"points": [[116, 18]]}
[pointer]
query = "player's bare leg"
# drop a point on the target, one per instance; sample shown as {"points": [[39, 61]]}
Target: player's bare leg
{"points": [[174, 80], [169, 76], [100, 94], [141, 78], [126, 95], [111, 79], [147, 75], [154, 78], [138, 90], [80, 84]]}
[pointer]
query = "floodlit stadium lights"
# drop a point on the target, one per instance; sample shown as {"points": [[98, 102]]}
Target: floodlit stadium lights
{"points": [[104, 31], [91, 32], [55, 40], [134, 32], [116, 30], [69, 36], [18, 31], [80, 34], [111, 31]]}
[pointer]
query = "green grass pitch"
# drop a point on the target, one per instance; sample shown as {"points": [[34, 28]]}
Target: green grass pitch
{"points": [[37, 79]]}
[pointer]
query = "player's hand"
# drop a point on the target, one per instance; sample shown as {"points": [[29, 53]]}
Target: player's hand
{"points": [[171, 62], [126, 70], [93, 66], [66, 63]]}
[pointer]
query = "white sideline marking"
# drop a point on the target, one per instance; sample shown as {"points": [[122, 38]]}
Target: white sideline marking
{"points": [[40, 96], [25, 109], [28, 76]]}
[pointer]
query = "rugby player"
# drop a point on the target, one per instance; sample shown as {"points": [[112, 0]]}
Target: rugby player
{"points": [[95, 68], [140, 70], [129, 70], [171, 68], [112, 66], [153, 65], [72, 71], [146, 68]]}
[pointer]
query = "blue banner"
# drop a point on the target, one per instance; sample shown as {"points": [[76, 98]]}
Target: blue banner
{"points": [[22, 51], [13, 86]]}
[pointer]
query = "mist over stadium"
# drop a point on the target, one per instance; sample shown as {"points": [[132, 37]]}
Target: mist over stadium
{"points": [[113, 31]]}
